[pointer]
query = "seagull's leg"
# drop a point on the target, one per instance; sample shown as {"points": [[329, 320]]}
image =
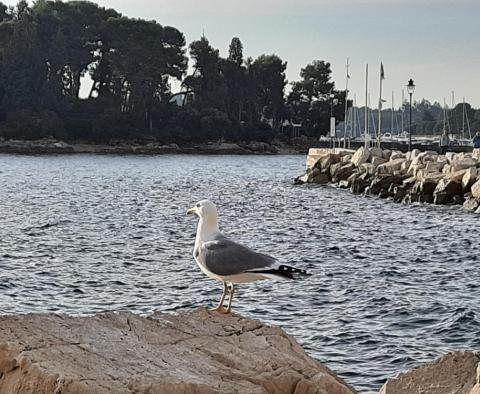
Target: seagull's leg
{"points": [[219, 307], [231, 290]]}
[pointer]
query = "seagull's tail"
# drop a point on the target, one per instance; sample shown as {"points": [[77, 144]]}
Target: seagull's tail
{"points": [[283, 272]]}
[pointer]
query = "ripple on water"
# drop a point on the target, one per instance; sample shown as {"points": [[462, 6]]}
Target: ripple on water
{"points": [[392, 286]]}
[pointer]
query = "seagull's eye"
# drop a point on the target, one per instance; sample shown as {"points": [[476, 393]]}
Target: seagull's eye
{"points": [[198, 205]]}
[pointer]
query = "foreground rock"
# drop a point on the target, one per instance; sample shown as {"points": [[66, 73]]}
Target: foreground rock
{"points": [[198, 352], [454, 373], [425, 177]]}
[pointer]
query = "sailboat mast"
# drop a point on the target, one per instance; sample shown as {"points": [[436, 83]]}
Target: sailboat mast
{"points": [[379, 133], [393, 113], [403, 103], [366, 107], [346, 107]]}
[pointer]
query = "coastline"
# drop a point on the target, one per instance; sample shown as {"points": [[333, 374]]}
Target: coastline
{"points": [[53, 146]]}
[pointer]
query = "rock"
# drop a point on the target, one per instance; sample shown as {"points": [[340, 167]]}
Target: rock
{"points": [[344, 172], [399, 192], [462, 164], [449, 187], [406, 165], [457, 176], [396, 155], [469, 178], [450, 156], [346, 159], [334, 168], [320, 178], [476, 189], [368, 168], [412, 155], [432, 166], [360, 183], [455, 372], [360, 156], [325, 162], [427, 156], [471, 204], [391, 166], [381, 181], [376, 161], [343, 184], [376, 152], [196, 352], [386, 154], [476, 154], [300, 180]]}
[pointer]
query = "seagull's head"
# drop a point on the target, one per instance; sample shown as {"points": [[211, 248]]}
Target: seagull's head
{"points": [[204, 209]]}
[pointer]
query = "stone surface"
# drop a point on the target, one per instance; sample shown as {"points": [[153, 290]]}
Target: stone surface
{"points": [[476, 189], [469, 178], [361, 156], [471, 204], [454, 373], [198, 352]]}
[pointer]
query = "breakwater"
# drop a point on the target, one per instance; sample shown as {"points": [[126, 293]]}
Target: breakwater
{"points": [[425, 177]]}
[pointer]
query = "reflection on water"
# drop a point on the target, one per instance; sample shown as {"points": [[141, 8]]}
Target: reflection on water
{"points": [[392, 285]]}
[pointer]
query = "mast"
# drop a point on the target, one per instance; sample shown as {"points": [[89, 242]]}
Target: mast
{"points": [[366, 107], [354, 134], [379, 134], [403, 103], [393, 113], [346, 107]]}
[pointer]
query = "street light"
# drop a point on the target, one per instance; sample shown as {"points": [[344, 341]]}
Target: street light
{"points": [[410, 90]]}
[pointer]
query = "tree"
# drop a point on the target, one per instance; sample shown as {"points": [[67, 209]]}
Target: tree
{"points": [[268, 77], [314, 99]]}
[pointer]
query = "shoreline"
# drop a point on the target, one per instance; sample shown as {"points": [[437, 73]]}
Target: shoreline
{"points": [[53, 146]]}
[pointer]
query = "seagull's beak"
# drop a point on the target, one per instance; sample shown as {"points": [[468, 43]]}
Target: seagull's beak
{"points": [[191, 211]]}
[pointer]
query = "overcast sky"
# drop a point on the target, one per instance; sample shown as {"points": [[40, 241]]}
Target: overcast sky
{"points": [[435, 42]]}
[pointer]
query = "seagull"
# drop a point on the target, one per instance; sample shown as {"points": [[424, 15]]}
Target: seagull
{"points": [[229, 262]]}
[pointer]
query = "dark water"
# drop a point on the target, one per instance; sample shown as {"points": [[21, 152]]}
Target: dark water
{"points": [[393, 286]]}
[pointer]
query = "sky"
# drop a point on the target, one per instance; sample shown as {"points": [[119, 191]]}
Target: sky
{"points": [[435, 42]]}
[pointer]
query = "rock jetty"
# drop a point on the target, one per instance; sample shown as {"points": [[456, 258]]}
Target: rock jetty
{"points": [[426, 177], [454, 373], [198, 352]]}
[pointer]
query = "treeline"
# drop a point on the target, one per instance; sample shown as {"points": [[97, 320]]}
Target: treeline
{"points": [[427, 119], [48, 50]]}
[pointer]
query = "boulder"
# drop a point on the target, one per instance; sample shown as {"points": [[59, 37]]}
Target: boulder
{"points": [[346, 159], [300, 180], [376, 152], [450, 156], [411, 155], [449, 187], [396, 155], [469, 178], [334, 168], [326, 161], [463, 164], [399, 192], [427, 156], [119, 353], [476, 189], [457, 176], [391, 166], [343, 184], [360, 156], [360, 183], [386, 154], [381, 181], [367, 168], [476, 154], [320, 179], [376, 161], [455, 372], [344, 172], [471, 204]]}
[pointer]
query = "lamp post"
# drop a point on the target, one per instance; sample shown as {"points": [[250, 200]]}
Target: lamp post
{"points": [[410, 89]]}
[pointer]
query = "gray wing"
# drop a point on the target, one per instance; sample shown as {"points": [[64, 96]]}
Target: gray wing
{"points": [[224, 257]]}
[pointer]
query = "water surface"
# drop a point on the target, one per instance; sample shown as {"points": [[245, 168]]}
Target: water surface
{"points": [[393, 285]]}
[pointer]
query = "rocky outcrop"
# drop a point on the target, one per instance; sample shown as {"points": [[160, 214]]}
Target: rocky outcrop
{"points": [[424, 177], [197, 352], [456, 372]]}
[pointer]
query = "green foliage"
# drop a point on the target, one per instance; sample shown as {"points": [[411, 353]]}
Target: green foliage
{"points": [[49, 48]]}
